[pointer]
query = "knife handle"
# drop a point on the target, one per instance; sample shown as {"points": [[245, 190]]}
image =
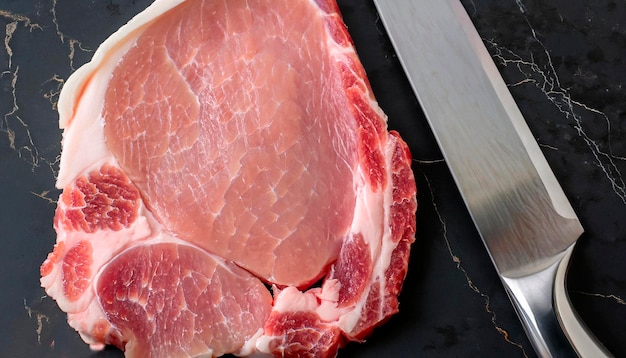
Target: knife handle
{"points": [[543, 306]]}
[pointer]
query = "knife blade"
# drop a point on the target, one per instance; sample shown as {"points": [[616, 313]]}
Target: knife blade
{"points": [[521, 212]]}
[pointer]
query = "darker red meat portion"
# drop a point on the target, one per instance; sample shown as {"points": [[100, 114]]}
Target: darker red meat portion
{"points": [[53, 258], [169, 300], [105, 199], [76, 270], [353, 269], [403, 223], [302, 334], [382, 298]]}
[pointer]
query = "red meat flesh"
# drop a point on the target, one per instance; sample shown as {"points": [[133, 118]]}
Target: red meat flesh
{"points": [[172, 300], [235, 144], [275, 143]]}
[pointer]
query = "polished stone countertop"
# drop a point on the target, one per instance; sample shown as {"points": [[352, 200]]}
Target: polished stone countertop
{"points": [[564, 64]]}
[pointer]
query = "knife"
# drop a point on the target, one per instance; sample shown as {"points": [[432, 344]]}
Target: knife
{"points": [[520, 210]]}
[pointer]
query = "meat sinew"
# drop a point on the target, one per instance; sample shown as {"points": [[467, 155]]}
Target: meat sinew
{"points": [[212, 148]]}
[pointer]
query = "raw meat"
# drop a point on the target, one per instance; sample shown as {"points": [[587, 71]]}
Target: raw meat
{"points": [[212, 148]]}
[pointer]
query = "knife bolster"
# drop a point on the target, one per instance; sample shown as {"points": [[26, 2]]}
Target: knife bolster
{"points": [[544, 308]]}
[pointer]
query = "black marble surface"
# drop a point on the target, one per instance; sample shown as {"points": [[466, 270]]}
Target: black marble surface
{"points": [[564, 63]]}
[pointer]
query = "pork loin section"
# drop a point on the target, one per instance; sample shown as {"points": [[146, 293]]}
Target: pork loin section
{"points": [[212, 148]]}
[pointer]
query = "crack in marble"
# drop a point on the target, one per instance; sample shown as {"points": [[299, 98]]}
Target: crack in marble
{"points": [[457, 261], [12, 123], [28, 151], [548, 146], [39, 317], [44, 195], [20, 18], [53, 94], [473, 5], [613, 297], [548, 82], [428, 161], [10, 30], [521, 6], [72, 43]]}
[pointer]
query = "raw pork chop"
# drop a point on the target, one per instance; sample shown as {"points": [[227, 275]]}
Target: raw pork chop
{"points": [[215, 147]]}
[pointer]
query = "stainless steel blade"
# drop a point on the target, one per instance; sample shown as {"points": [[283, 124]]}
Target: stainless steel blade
{"points": [[519, 208], [515, 200]]}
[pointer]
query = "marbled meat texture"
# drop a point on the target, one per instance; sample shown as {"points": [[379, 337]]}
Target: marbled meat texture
{"points": [[212, 148]]}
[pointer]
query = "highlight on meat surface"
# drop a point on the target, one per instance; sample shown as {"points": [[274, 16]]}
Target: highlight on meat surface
{"points": [[213, 148]]}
